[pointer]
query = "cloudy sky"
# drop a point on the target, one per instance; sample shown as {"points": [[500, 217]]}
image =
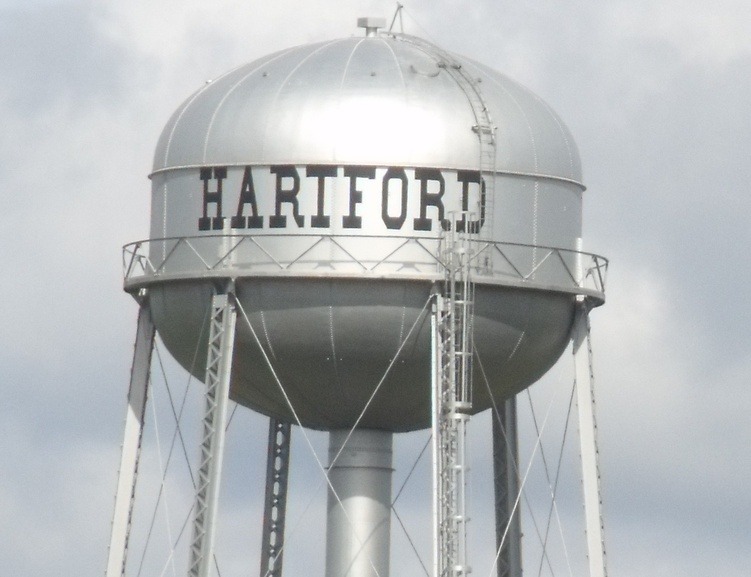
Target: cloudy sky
{"points": [[656, 93]]}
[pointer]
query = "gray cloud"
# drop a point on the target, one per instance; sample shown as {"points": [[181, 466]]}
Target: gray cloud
{"points": [[56, 54]]}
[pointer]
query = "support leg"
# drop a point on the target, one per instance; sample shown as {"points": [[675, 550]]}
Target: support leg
{"points": [[218, 368], [126, 485], [277, 474], [588, 438], [452, 405], [506, 477], [358, 529]]}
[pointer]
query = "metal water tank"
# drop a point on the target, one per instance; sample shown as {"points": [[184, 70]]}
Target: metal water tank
{"points": [[319, 180]]}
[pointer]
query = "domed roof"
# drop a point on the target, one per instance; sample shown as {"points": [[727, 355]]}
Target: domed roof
{"points": [[384, 100]]}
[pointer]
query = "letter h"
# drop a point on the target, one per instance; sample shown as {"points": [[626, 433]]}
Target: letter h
{"points": [[214, 197]]}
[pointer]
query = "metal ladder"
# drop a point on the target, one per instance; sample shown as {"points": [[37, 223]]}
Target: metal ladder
{"points": [[452, 404], [452, 322], [483, 127]]}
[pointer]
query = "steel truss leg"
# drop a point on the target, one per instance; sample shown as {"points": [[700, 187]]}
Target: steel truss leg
{"points": [[588, 439], [506, 477], [218, 368], [450, 419], [277, 475], [451, 387], [126, 485]]}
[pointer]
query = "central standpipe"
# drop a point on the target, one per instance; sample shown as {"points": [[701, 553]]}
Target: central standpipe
{"points": [[358, 527]]}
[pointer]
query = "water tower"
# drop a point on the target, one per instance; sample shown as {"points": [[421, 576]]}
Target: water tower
{"points": [[338, 232]]}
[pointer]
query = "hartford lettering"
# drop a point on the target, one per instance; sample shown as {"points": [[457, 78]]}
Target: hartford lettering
{"points": [[288, 189]]}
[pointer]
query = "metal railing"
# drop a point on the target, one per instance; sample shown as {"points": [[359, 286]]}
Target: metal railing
{"points": [[504, 263]]}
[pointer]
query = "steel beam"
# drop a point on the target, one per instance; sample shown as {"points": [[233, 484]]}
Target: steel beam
{"points": [[131, 450], [588, 439], [451, 322], [218, 368], [275, 508]]}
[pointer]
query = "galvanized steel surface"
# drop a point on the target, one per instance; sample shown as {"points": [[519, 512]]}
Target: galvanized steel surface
{"points": [[361, 143], [331, 341], [376, 101], [367, 136]]}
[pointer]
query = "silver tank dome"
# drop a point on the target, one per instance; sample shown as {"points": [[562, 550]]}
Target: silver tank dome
{"points": [[317, 181], [376, 100]]}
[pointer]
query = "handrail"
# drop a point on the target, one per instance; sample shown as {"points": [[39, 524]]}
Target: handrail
{"points": [[165, 259]]}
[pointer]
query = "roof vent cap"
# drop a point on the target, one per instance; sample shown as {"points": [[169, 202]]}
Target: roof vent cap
{"points": [[371, 25]]}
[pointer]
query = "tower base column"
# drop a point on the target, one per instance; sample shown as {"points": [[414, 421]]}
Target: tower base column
{"points": [[358, 527]]}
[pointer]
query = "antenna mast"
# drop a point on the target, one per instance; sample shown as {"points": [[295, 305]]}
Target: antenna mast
{"points": [[398, 13]]}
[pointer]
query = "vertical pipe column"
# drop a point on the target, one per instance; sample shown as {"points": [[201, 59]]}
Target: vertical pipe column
{"points": [[506, 478], [358, 527], [126, 484], [588, 440], [436, 353]]}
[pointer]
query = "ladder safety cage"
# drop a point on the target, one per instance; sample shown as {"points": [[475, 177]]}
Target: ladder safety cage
{"points": [[452, 404]]}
